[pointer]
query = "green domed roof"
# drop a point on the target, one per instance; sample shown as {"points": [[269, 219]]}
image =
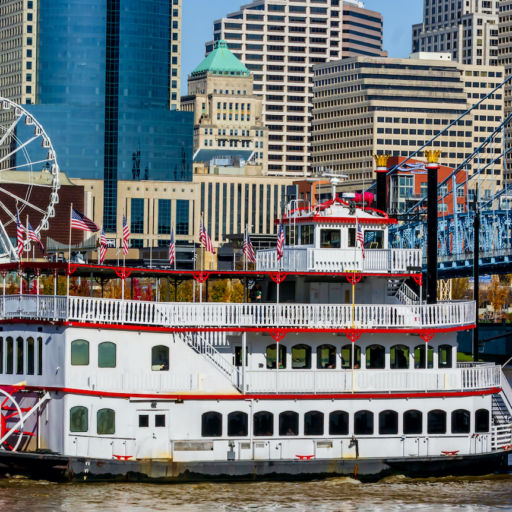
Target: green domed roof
{"points": [[221, 62]]}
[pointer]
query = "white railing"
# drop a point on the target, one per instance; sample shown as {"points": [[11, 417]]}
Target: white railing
{"points": [[186, 314], [340, 381], [303, 259], [501, 436], [407, 296]]}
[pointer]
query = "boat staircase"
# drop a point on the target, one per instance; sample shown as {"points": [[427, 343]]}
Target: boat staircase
{"points": [[398, 289], [502, 416], [200, 344]]}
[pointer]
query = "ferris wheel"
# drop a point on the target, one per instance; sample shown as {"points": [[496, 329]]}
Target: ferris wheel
{"points": [[29, 173]]}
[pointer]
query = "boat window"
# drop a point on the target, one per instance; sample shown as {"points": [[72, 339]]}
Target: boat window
{"points": [[159, 420], [351, 237], [107, 355], [326, 357], [375, 357], [78, 419], [330, 239], [263, 423], [160, 358], [271, 356], [482, 420], [79, 353], [363, 423], [39, 356], [289, 424], [419, 357], [399, 357], [237, 424], [445, 356], [30, 356], [301, 357], [1, 354], [106, 422], [238, 356], [346, 357], [374, 239], [307, 235], [413, 422], [291, 235], [9, 350], [338, 423], [314, 423], [19, 355], [460, 422], [388, 422], [143, 420], [436, 422], [211, 424]]}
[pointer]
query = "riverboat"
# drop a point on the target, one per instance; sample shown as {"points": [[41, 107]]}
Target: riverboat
{"points": [[336, 366]]}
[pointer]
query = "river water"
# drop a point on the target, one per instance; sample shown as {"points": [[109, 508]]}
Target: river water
{"points": [[335, 494]]}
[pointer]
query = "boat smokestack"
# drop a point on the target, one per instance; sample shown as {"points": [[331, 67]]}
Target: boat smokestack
{"points": [[382, 181], [432, 156]]}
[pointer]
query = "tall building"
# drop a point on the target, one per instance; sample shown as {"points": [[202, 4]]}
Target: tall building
{"points": [[100, 79], [280, 41], [364, 106], [228, 118], [468, 29], [175, 78], [505, 59]]}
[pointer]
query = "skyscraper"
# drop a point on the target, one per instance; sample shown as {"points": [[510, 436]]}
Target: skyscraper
{"points": [[505, 59], [100, 78], [468, 29], [280, 42]]}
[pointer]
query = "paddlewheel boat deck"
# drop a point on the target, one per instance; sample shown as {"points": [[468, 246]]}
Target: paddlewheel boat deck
{"points": [[336, 367]]}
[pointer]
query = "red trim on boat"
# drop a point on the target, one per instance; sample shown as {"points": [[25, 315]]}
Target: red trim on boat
{"points": [[319, 396], [318, 219], [268, 330]]}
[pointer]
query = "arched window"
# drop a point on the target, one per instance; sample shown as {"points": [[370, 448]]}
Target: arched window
{"points": [[326, 357], [263, 423], [375, 357], [237, 424], [388, 422], [482, 420], [399, 357], [271, 356], [106, 422], [9, 353], [211, 424], [419, 357], [107, 355], [460, 422], [19, 355], [338, 423], [289, 424], [413, 422], [363, 423], [160, 358], [346, 357], [444, 356], [314, 423], [30, 356], [79, 353], [436, 422], [301, 357], [78, 419]]}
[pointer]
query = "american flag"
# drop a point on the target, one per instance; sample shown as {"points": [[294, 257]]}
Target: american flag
{"points": [[249, 249], [126, 235], [172, 250], [32, 235], [103, 245], [360, 239], [204, 238], [81, 222], [20, 230], [280, 242]]}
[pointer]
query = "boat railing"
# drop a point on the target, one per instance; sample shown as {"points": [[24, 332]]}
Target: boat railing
{"points": [[185, 314], [308, 259], [501, 436], [384, 381]]}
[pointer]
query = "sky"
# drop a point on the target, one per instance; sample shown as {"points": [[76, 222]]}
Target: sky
{"points": [[198, 17]]}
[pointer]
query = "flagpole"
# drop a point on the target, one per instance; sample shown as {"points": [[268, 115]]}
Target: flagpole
{"points": [[28, 240], [69, 253], [245, 255], [202, 258]]}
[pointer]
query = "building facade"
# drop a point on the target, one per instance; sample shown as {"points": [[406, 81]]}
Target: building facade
{"points": [[364, 106], [279, 42], [505, 60], [228, 116], [468, 29], [102, 88]]}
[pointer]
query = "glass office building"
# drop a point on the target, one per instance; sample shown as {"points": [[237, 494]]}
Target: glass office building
{"points": [[103, 93]]}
